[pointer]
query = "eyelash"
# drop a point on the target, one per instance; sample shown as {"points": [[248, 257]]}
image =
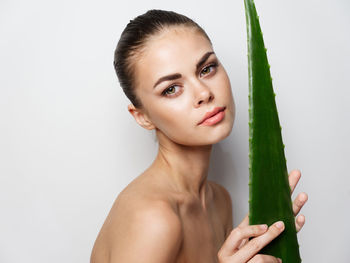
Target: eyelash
{"points": [[214, 65]]}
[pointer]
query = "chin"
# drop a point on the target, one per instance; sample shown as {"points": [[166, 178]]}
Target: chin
{"points": [[209, 136], [215, 137], [223, 135]]}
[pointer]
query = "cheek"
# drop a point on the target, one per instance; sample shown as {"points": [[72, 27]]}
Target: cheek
{"points": [[176, 123], [224, 94], [226, 82], [222, 86], [171, 116]]}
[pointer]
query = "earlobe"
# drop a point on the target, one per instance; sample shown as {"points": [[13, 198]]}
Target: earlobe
{"points": [[140, 117]]}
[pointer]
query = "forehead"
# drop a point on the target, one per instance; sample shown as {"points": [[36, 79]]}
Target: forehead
{"points": [[172, 50]]}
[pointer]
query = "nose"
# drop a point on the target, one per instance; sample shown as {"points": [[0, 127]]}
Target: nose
{"points": [[203, 93]]}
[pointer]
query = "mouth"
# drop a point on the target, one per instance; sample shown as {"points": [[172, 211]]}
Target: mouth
{"points": [[213, 117]]}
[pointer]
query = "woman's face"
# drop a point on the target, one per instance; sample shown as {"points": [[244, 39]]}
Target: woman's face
{"points": [[179, 80]]}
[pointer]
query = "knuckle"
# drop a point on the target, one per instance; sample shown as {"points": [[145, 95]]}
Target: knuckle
{"points": [[272, 233], [274, 230], [237, 232], [256, 230], [219, 255], [221, 258], [255, 244], [277, 228], [258, 258], [298, 204]]}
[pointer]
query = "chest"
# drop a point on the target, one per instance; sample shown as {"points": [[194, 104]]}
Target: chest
{"points": [[203, 235]]}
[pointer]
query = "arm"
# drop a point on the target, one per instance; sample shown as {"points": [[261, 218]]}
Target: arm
{"points": [[152, 235]]}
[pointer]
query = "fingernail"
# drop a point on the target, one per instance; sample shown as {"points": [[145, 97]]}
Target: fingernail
{"points": [[280, 225], [279, 260], [263, 227]]}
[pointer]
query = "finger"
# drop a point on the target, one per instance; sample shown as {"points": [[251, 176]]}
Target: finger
{"points": [[244, 241], [237, 235], [299, 222], [293, 179], [245, 221], [299, 202], [257, 243], [264, 258]]}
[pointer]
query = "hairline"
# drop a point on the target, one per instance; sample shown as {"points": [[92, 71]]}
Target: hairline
{"points": [[137, 52]]}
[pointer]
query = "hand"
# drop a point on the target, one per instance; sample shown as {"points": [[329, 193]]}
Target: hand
{"points": [[232, 251], [247, 231], [299, 201]]}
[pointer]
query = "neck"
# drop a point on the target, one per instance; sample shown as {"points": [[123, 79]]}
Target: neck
{"points": [[185, 167]]}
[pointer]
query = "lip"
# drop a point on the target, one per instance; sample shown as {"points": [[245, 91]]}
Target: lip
{"points": [[213, 113]]}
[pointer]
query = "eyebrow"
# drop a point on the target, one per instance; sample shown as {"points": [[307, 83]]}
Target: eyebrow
{"points": [[202, 60]]}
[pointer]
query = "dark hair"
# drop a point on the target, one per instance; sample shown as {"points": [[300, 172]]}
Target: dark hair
{"points": [[134, 38]]}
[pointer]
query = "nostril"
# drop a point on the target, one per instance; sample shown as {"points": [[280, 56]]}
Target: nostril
{"points": [[211, 97]]}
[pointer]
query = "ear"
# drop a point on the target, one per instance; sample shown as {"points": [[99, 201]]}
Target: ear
{"points": [[140, 117]]}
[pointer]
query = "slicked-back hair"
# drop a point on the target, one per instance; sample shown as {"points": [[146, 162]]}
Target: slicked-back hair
{"points": [[134, 37]]}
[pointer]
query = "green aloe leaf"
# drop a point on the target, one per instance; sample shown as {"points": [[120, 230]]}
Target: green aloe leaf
{"points": [[269, 190]]}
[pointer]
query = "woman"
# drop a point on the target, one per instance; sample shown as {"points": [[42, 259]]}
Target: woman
{"points": [[168, 69]]}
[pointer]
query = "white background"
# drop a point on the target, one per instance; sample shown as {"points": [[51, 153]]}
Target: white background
{"points": [[68, 145]]}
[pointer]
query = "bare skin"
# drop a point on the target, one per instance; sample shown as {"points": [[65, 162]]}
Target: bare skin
{"points": [[171, 212], [204, 230]]}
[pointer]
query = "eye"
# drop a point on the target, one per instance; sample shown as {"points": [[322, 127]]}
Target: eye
{"points": [[206, 70], [170, 90]]}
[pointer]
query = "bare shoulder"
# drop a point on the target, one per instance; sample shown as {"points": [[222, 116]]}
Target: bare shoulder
{"points": [[224, 203], [142, 222], [153, 230], [222, 191]]}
